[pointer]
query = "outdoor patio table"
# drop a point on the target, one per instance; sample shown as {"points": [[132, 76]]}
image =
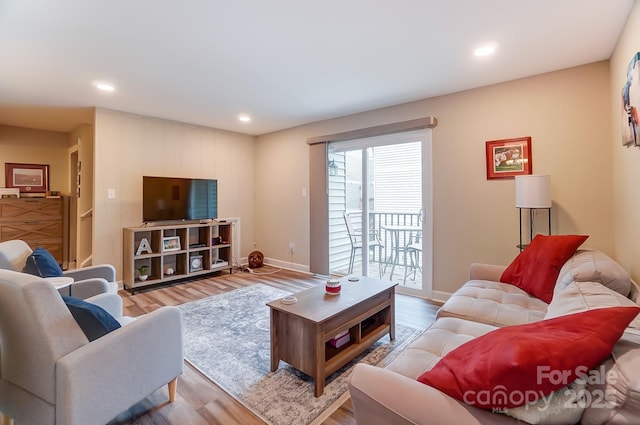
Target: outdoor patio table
{"points": [[398, 243]]}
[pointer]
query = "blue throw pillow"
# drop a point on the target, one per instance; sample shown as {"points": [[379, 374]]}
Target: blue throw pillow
{"points": [[92, 319], [41, 263]]}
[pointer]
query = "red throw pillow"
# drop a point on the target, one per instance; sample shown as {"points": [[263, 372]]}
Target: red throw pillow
{"points": [[535, 270], [516, 365]]}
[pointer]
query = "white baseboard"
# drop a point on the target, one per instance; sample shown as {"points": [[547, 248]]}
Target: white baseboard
{"points": [[441, 295], [287, 265]]}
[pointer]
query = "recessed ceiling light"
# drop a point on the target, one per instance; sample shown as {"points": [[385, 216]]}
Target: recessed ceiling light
{"points": [[485, 49], [103, 86], [244, 117]]}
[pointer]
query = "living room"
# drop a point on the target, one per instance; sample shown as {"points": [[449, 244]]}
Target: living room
{"points": [[554, 109], [572, 116]]}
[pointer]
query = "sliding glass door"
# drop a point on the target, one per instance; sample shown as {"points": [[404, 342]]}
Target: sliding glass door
{"points": [[377, 199]]}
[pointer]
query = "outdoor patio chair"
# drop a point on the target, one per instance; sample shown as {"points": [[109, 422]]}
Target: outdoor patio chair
{"points": [[355, 236], [413, 249]]}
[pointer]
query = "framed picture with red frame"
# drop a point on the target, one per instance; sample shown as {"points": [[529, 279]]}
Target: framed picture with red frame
{"points": [[29, 178], [508, 158]]}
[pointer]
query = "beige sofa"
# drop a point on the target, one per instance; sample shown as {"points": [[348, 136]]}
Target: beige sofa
{"points": [[588, 280]]}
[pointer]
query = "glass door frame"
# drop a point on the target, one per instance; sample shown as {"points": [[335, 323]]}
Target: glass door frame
{"points": [[423, 136]]}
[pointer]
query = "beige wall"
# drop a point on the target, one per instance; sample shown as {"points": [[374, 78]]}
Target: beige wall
{"points": [[626, 161], [263, 180], [567, 114], [572, 115], [129, 146], [29, 146]]}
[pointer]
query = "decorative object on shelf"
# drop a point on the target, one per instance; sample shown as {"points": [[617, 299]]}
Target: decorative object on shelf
{"points": [[168, 271], [28, 178], [508, 158], [195, 263], [341, 339], [142, 273], [630, 104], [9, 192], [171, 243], [219, 263], [333, 287], [144, 246], [533, 192], [216, 240], [255, 259]]}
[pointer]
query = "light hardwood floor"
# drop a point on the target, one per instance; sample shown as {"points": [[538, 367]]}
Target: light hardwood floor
{"points": [[198, 400]]}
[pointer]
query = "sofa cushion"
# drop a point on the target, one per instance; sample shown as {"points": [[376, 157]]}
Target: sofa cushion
{"points": [[593, 266], [443, 336], [615, 395], [41, 263], [515, 365], [493, 303], [537, 267], [583, 296], [94, 321], [560, 408]]}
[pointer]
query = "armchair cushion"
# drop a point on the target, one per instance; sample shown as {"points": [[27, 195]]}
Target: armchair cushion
{"points": [[92, 319], [41, 263], [103, 278], [502, 369], [536, 269]]}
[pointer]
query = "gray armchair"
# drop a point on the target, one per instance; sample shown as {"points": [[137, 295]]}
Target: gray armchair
{"points": [[50, 373], [88, 281]]}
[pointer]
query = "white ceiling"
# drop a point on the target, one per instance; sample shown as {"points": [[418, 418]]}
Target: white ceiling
{"points": [[284, 62]]}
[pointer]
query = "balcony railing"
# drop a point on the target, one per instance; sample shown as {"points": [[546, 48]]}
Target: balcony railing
{"points": [[340, 247], [379, 220]]}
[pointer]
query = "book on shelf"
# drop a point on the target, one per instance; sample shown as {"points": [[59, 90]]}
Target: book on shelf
{"points": [[341, 339]]}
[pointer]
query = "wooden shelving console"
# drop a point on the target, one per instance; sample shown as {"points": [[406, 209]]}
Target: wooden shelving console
{"points": [[175, 252]]}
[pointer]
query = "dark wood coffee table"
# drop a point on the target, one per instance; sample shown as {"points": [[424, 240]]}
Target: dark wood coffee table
{"points": [[300, 332]]}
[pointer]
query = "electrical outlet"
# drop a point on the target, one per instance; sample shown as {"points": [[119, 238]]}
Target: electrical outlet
{"points": [[292, 247]]}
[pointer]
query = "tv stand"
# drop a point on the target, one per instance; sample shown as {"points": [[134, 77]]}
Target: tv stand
{"points": [[175, 251]]}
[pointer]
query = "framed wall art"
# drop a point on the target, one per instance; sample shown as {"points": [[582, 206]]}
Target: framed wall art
{"points": [[28, 178], [631, 103], [508, 158]]}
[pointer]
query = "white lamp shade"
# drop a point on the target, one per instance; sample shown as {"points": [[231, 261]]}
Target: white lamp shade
{"points": [[533, 191]]}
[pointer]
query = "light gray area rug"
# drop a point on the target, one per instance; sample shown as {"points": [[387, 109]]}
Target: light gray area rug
{"points": [[226, 337]]}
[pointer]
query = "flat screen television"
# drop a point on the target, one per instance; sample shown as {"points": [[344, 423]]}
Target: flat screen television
{"points": [[177, 199]]}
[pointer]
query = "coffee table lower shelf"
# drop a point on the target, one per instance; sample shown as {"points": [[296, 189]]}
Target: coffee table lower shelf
{"points": [[338, 357]]}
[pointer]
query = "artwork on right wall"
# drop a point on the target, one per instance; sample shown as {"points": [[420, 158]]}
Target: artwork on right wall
{"points": [[630, 104], [508, 158]]}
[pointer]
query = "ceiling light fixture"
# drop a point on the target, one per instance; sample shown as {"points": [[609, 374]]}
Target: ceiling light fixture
{"points": [[102, 86], [244, 118], [485, 50]]}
